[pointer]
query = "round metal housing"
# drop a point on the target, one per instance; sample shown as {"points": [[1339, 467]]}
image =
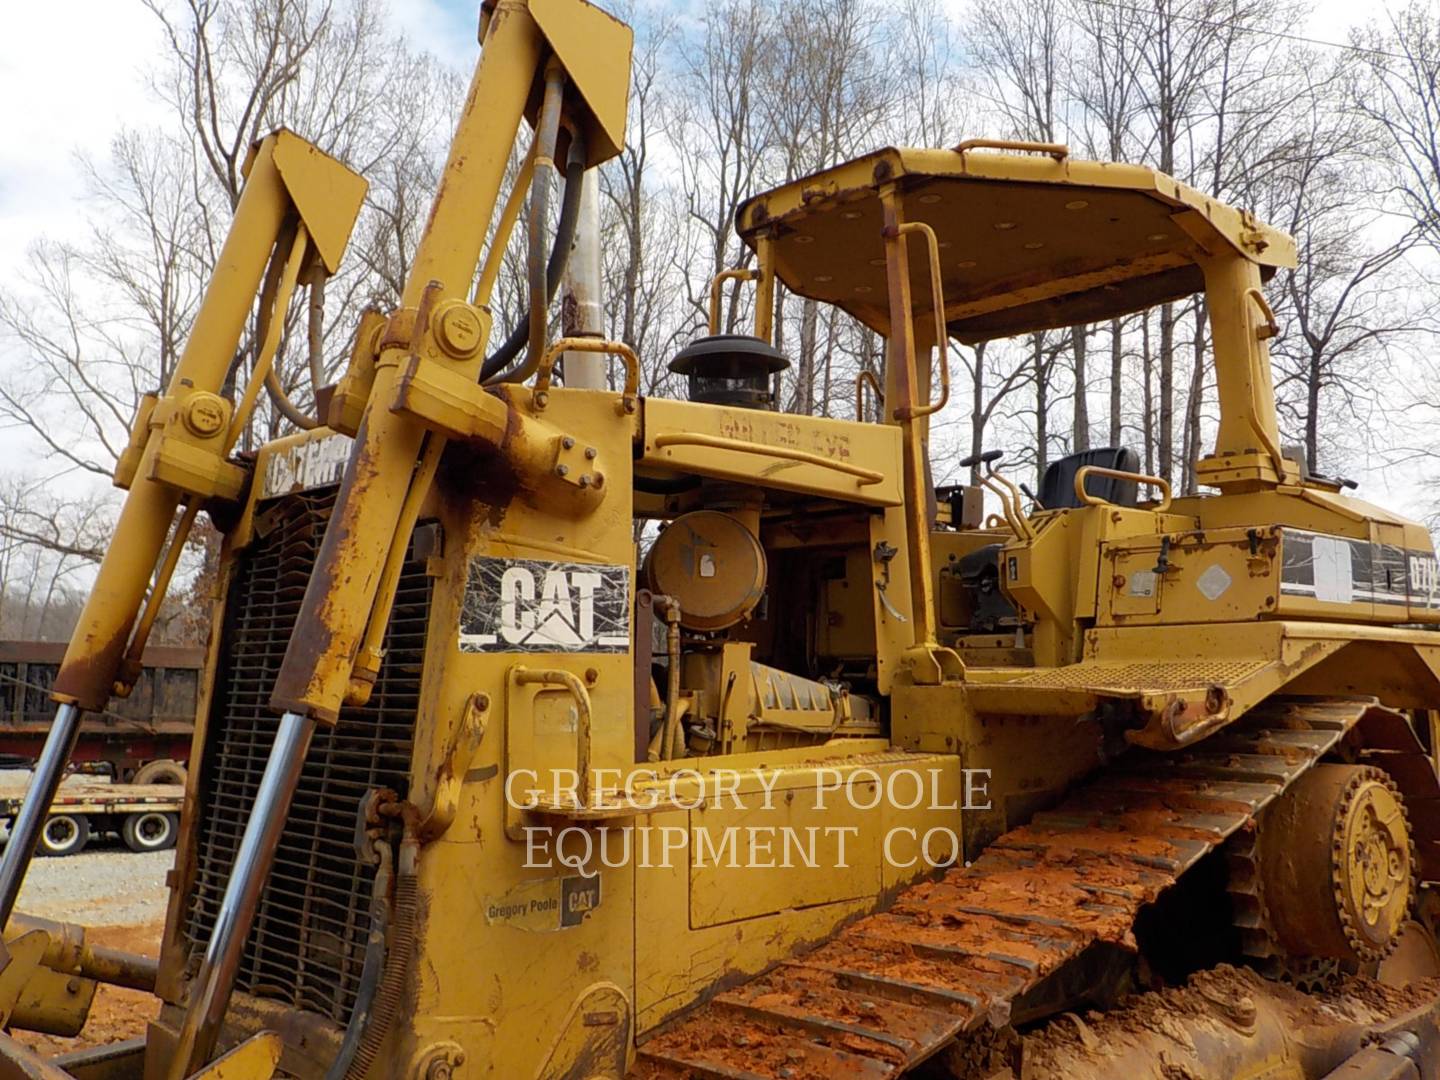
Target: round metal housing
{"points": [[730, 369], [712, 565]]}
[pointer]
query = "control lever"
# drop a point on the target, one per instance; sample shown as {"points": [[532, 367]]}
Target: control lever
{"points": [[981, 459], [1007, 492]]}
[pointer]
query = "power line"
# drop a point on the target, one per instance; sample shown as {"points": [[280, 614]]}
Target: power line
{"points": [[1279, 34]]}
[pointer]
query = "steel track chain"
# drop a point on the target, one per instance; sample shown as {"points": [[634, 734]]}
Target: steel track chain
{"points": [[952, 955]]}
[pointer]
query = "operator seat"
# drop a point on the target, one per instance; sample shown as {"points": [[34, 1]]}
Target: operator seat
{"points": [[1057, 487]]}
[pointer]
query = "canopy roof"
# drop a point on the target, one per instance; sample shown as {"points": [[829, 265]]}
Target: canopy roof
{"points": [[1027, 241]]}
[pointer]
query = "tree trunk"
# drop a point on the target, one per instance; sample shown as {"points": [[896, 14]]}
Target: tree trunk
{"points": [[827, 384], [1193, 406], [1149, 413], [1082, 389], [1117, 372], [805, 370], [977, 413], [1042, 406], [1166, 448]]}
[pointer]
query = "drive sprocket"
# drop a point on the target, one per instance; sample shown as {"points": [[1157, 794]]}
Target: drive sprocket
{"points": [[1336, 866]]}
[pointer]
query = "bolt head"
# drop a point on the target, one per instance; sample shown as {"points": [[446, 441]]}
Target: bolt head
{"points": [[458, 331], [590, 453], [205, 414], [568, 443], [562, 470]]}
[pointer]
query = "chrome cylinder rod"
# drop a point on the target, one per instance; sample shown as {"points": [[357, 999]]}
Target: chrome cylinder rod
{"points": [[581, 310], [40, 793], [210, 990]]}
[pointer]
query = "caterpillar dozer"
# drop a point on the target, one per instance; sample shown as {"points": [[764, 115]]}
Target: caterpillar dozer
{"points": [[552, 731]]}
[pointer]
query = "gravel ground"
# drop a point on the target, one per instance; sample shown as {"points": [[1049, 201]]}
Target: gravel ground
{"points": [[107, 884], [119, 896]]}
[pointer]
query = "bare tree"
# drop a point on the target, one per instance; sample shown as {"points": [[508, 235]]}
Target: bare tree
{"points": [[1344, 303], [102, 320], [1402, 97]]}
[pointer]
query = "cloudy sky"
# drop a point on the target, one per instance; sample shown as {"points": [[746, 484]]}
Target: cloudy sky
{"points": [[71, 74]]}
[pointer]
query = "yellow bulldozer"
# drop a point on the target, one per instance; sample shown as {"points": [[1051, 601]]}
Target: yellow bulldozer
{"points": [[551, 731]]}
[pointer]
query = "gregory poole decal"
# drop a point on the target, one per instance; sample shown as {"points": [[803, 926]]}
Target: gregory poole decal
{"points": [[526, 605]]}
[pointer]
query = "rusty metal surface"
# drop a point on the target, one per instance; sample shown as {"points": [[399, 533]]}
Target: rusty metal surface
{"points": [[307, 944], [952, 955]]}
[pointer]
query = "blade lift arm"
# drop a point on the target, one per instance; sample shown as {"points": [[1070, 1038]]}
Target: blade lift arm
{"points": [[415, 382], [297, 209]]}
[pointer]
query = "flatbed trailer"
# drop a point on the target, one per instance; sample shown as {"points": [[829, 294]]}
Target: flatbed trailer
{"points": [[146, 816]]}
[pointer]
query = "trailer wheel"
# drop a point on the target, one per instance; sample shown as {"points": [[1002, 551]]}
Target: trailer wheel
{"points": [[164, 771], [150, 830], [64, 834]]}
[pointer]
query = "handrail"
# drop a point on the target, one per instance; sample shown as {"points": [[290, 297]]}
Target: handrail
{"points": [[1058, 151], [1269, 330], [942, 333], [570, 682], [1009, 496], [1272, 326], [865, 477], [863, 378], [1087, 471], [590, 345], [738, 273]]}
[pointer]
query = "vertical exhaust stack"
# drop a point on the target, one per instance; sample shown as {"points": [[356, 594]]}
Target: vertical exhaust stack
{"points": [[582, 313]]}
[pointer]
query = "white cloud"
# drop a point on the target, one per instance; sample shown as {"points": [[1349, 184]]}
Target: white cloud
{"points": [[70, 77], [444, 27]]}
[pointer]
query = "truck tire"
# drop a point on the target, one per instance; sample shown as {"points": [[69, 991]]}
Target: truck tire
{"points": [[150, 830], [164, 771], [64, 834]]}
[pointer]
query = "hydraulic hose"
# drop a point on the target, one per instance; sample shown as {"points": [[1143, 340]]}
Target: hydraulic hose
{"points": [[374, 963], [395, 982], [494, 368], [287, 408], [278, 397]]}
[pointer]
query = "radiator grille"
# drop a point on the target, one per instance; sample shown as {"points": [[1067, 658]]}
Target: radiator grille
{"points": [[307, 946]]}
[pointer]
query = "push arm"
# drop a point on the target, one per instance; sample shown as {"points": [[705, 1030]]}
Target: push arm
{"points": [[297, 205], [418, 387]]}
